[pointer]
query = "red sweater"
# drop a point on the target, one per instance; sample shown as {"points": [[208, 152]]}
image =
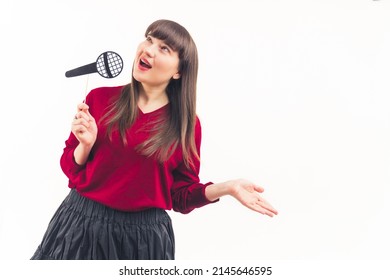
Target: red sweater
{"points": [[121, 178]]}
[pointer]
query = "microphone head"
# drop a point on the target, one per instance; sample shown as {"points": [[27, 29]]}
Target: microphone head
{"points": [[109, 64]]}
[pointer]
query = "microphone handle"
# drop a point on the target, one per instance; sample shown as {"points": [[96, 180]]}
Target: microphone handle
{"points": [[86, 69]]}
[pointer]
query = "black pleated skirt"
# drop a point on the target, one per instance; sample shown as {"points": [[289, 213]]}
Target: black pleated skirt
{"points": [[82, 229]]}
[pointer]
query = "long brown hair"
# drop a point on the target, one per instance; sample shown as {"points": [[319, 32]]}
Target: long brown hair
{"points": [[179, 127]]}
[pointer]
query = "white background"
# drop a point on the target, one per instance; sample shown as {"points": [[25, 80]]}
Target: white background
{"points": [[293, 95]]}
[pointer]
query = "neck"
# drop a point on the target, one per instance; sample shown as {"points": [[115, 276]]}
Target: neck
{"points": [[152, 97]]}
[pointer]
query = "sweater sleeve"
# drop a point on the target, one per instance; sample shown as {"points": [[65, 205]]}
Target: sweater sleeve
{"points": [[68, 164], [187, 191]]}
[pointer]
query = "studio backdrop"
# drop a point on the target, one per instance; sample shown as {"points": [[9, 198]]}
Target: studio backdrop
{"points": [[293, 95]]}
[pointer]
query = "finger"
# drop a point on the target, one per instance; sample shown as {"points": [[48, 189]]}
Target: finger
{"points": [[84, 110], [79, 131], [268, 207], [258, 208], [81, 122], [258, 188], [83, 115], [271, 211], [265, 211], [91, 118], [270, 214], [82, 107]]}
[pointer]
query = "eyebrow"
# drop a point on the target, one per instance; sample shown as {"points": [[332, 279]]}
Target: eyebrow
{"points": [[165, 43]]}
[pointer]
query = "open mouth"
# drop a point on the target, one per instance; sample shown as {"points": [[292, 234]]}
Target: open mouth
{"points": [[144, 63]]}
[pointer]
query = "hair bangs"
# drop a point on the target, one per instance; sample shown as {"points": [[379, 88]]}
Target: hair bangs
{"points": [[172, 33]]}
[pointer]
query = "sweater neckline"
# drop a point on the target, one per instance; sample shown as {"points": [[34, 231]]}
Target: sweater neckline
{"points": [[154, 111]]}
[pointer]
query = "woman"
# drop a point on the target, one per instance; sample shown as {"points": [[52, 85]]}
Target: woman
{"points": [[134, 153]]}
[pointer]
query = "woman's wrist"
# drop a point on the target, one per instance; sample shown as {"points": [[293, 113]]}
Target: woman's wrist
{"points": [[81, 153], [218, 190]]}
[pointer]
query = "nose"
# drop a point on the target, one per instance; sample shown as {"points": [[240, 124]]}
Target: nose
{"points": [[150, 50]]}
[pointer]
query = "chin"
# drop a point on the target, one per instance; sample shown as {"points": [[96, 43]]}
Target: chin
{"points": [[138, 78]]}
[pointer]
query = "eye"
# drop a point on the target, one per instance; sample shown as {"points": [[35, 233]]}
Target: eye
{"points": [[149, 39], [165, 48]]}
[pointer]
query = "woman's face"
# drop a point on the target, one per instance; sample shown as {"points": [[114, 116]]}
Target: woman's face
{"points": [[155, 63]]}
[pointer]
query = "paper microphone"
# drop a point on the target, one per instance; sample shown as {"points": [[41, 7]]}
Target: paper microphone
{"points": [[108, 65]]}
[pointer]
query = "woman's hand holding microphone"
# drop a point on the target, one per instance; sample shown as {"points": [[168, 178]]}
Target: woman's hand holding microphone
{"points": [[85, 130]]}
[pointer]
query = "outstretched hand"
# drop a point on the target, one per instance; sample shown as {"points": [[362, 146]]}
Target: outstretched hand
{"points": [[249, 195]]}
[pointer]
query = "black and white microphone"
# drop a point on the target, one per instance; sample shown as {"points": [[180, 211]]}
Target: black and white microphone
{"points": [[108, 65]]}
